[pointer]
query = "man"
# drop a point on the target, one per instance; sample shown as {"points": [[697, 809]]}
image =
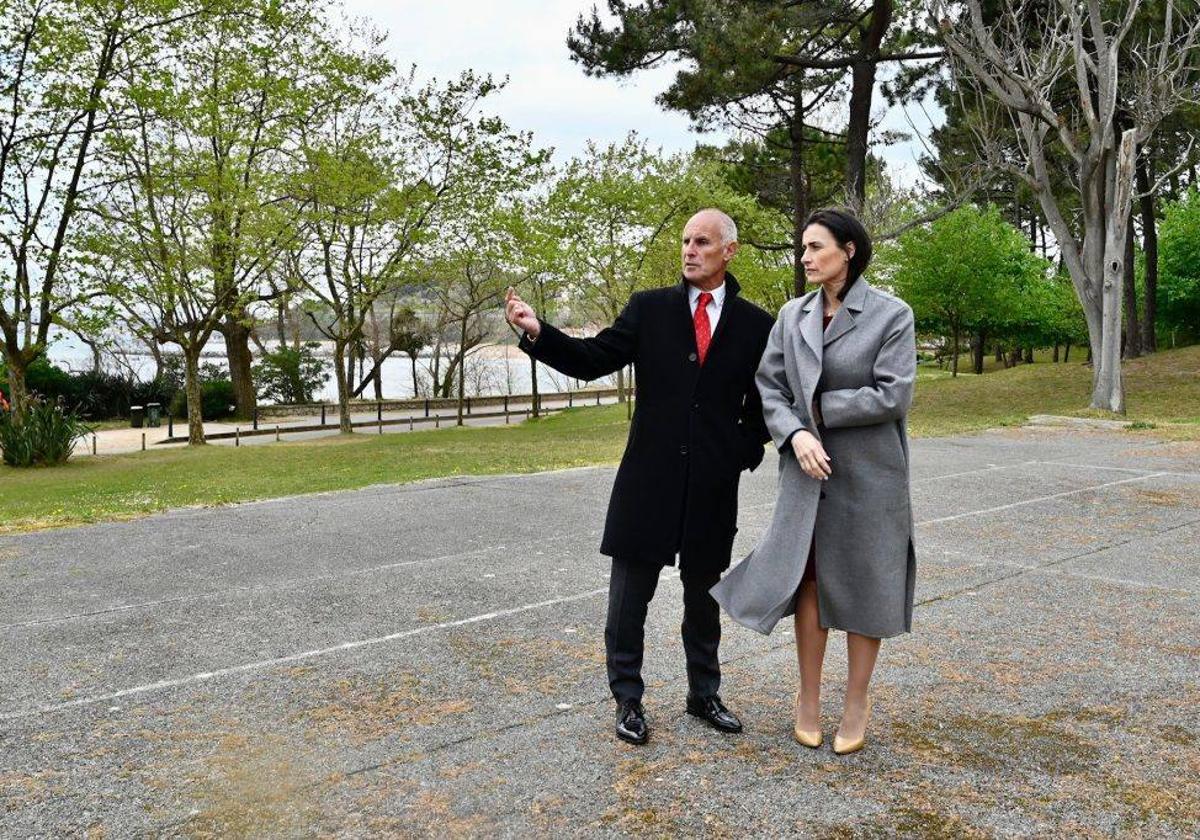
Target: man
{"points": [[697, 424]]}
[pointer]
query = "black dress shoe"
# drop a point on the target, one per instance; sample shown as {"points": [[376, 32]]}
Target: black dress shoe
{"points": [[713, 711], [631, 722]]}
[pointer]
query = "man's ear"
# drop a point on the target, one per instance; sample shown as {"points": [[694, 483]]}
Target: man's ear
{"points": [[730, 249]]}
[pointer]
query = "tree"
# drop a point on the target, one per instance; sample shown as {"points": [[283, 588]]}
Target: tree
{"points": [[399, 330], [1020, 59], [612, 206], [769, 67], [61, 60], [191, 219], [1179, 284], [968, 273], [379, 169]]}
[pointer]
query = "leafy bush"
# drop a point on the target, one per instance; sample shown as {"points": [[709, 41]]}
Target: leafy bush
{"points": [[1179, 268], [216, 400], [290, 376], [43, 379], [45, 435], [96, 395]]}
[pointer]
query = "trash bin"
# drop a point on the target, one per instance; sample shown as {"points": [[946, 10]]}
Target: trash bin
{"points": [[137, 416], [153, 415]]}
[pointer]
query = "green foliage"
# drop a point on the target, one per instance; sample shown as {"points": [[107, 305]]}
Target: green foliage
{"points": [[95, 395], [970, 272], [291, 376], [43, 437], [216, 395], [1179, 266]]}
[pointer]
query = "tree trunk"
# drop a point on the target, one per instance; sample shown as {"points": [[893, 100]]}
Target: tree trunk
{"points": [[281, 321], [416, 390], [1108, 392], [1150, 249], [862, 90], [1054, 358], [462, 369], [18, 388], [1133, 338], [1029, 355], [799, 184], [195, 400], [621, 385], [533, 378], [340, 359], [954, 354], [1067, 353], [377, 374], [156, 354], [237, 350], [978, 350]]}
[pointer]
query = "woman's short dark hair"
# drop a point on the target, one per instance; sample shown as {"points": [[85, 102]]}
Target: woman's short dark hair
{"points": [[845, 227]]}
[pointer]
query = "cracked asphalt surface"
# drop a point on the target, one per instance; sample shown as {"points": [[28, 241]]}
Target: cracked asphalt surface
{"points": [[427, 660]]}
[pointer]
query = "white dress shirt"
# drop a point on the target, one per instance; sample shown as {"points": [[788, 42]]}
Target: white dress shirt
{"points": [[714, 305]]}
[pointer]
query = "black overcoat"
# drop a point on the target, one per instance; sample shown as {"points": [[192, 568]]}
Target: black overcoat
{"points": [[695, 427]]}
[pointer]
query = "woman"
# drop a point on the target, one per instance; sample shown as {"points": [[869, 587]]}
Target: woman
{"points": [[836, 381]]}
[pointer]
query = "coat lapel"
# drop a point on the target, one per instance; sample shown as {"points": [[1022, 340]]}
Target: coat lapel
{"points": [[811, 326], [808, 351], [843, 319]]}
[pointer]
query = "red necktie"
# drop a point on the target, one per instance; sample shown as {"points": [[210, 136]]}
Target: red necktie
{"points": [[703, 329]]}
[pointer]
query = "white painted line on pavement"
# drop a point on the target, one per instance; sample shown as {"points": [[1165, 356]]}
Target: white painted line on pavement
{"points": [[1123, 469], [1024, 502], [1057, 572], [247, 667], [988, 468]]}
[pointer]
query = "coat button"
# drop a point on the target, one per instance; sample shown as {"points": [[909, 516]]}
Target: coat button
{"points": [[691, 357], [683, 450], [695, 406]]}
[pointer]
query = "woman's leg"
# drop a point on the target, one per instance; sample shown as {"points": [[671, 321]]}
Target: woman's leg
{"points": [[861, 651], [810, 654]]}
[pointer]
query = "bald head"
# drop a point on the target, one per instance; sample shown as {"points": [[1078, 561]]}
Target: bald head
{"points": [[709, 243], [725, 224]]}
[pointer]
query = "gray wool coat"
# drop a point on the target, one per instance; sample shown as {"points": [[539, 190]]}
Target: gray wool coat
{"points": [[861, 370]]}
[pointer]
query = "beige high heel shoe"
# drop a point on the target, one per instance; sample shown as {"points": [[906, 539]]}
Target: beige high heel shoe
{"points": [[845, 746], [810, 739]]}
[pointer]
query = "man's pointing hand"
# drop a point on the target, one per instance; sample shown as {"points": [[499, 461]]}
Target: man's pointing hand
{"points": [[520, 314]]}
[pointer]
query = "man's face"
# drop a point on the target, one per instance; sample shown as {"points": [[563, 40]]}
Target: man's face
{"points": [[704, 254]]}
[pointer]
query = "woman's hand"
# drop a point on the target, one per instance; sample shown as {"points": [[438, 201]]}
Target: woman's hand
{"points": [[811, 455]]}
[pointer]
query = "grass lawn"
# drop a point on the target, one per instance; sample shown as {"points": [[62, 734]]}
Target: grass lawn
{"points": [[1163, 390]]}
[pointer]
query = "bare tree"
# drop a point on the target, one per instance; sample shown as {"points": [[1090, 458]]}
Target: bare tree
{"points": [[1120, 89]]}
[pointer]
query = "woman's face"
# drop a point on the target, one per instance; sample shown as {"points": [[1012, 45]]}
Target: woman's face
{"points": [[824, 260]]}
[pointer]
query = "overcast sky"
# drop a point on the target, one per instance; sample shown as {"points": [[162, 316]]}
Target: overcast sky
{"points": [[547, 93]]}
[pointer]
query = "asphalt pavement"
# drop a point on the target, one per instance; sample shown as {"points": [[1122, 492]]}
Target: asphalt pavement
{"points": [[427, 660]]}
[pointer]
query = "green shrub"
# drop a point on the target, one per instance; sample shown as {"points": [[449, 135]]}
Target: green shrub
{"points": [[42, 378], [216, 400], [45, 436], [291, 376]]}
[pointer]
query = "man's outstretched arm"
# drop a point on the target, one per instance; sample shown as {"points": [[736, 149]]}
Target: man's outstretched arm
{"points": [[582, 358]]}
